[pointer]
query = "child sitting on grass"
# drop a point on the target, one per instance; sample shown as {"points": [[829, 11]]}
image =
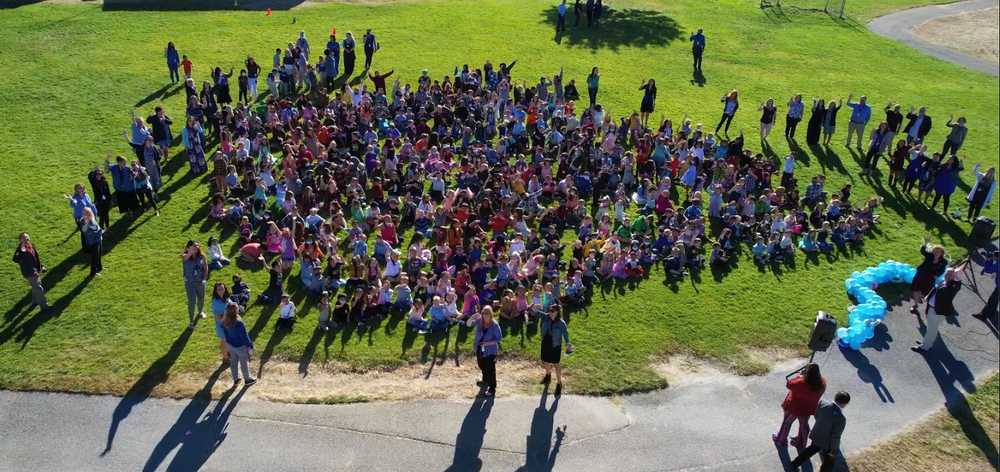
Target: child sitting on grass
{"points": [[274, 288], [718, 255], [215, 256], [240, 293], [761, 255], [674, 263], [286, 316], [323, 309], [416, 319]]}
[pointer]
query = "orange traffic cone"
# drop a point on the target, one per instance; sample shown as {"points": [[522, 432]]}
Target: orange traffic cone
{"points": [[268, 12], [334, 31]]}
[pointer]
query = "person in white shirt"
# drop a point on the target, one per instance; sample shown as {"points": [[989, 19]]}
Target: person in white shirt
{"points": [[788, 171], [286, 317]]}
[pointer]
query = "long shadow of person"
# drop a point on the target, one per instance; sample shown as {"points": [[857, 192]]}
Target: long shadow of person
{"points": [[198, 433], [140, 391], [868, 373], [947, 371], [469, 441], [541, 453]]}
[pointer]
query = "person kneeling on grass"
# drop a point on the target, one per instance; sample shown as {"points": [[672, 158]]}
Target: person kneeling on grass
{"points": [[286, 317]]}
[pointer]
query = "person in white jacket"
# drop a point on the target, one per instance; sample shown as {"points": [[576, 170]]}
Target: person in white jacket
{"points": [[981, 193]]}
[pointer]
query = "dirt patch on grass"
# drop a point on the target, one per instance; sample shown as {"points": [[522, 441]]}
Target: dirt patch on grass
{"points": [[976, 33], [333, 383], [687, 369]]}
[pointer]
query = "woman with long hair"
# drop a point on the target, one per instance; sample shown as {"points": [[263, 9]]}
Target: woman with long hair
{"points": [[486, 344], [768, 111], [93, 236], [193, 136], [830, 120], [349, 54], [195, 278], [173, 62], [875, 146], [593, 82], [982, 192], [928, 271], [554, 333], [238, 343], [220, 300], [80, 201], [804, 393], [648, 100], [731, 104], [946, 181], [815, 125]]}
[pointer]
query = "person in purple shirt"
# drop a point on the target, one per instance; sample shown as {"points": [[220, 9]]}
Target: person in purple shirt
{"points": [[486, 344], [173, 63], [370, 47]]}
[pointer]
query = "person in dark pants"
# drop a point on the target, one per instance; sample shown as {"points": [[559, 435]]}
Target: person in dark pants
{"points": [[990, 266], [794, 116], [940, 305], [554, 333], [93, 236], [590, 13], [486, 344], [102, 196], [349, 54], [697, 47], [732, 103], [825, 436], [577, 10], [370, 46], [32, 268], [982, 192], [561, 22]]}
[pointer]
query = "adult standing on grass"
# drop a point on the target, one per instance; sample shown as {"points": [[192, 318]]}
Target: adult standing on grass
{"points": [[794, 116], [928, 271], [26, 256], [577, 10], [554, 332], [80, 201], [253, 73], [830, 120], [349, 55], [598, 11], [768, 110], [918, 126], [946, 181], [731, 104], [195, 278], [590, 13], [814, 128], [303, 44], [160, 123], [982, 192], [486, 344], [875, 146], [93, 236], [593, 82], [102, 196], [149, 158], [173, 63], [955, 137], [860, 115], [370, 47], [895, 121], [940, 304], [804, 393], [239, 345], [220, 301], [697, 47], [648, 100], [124, 184], [826, 433], [561, 21]]}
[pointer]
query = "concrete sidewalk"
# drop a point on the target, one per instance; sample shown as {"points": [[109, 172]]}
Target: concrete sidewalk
{"points": [[717, 425], [899, 26]]}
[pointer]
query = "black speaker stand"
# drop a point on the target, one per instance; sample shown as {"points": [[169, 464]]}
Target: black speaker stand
{"points": [[800, 369]]}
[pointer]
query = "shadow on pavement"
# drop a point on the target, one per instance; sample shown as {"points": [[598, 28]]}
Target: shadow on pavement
{"points": [[469, 441], [541, 453]]}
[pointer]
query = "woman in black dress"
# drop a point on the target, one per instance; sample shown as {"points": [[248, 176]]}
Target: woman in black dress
{"points": [[554, 332], [928, 271], [210, 107], [349, 55], [222, 85], [648, 100], [815, 126]]}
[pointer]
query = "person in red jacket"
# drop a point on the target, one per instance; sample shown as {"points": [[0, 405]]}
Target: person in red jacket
{"points": [[804, 393]]}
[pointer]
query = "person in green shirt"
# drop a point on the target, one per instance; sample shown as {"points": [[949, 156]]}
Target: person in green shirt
{"points": [[625, 230], [642, 226]]}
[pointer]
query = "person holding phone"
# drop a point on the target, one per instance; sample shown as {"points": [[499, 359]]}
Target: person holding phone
{"points": [[554, 333], [486, 344], [195, 278]]}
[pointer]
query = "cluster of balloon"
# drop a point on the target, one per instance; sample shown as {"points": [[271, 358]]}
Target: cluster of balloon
{"points": [[870, 311]]}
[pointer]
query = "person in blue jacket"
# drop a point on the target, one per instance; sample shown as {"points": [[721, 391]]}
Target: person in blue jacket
{"points": [[78, 201], [239, 344]]}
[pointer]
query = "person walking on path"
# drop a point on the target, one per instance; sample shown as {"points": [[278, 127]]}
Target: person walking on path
{"points": [[826, 433], [239, 344], [370, 47], [486, 344], [940, 304], [928, 271], [561, 21], [26, 256], [804, 393], [860, 115], [732, 103], [698, 47], [794, 116], [554, 332], [195, 278], [173, 63], [93, 236], [955, 137]]}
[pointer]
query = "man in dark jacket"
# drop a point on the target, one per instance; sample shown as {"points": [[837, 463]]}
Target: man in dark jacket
{"points": [[918, 126], [940, 304], [825, 436], [31, 268]]}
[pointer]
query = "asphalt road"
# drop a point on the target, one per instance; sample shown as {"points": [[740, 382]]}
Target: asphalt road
{"points": [[721, 424], [898, 26]]}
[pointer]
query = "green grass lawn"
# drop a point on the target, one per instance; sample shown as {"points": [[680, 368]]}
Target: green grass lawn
{"points": [[75, 72]]}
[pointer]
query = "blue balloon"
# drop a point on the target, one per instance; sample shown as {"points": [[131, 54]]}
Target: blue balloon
{"points": [[869, 332], [850, 283], [841, 333], [855, 275], [856, 345]]}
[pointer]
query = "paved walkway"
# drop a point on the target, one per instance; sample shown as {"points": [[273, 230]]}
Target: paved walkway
{"points": [[714, 425], [899, 26]]}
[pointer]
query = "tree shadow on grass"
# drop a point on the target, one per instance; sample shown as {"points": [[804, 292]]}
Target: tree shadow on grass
{"points": [[156, 374], [627, 27], [197, 5]]}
